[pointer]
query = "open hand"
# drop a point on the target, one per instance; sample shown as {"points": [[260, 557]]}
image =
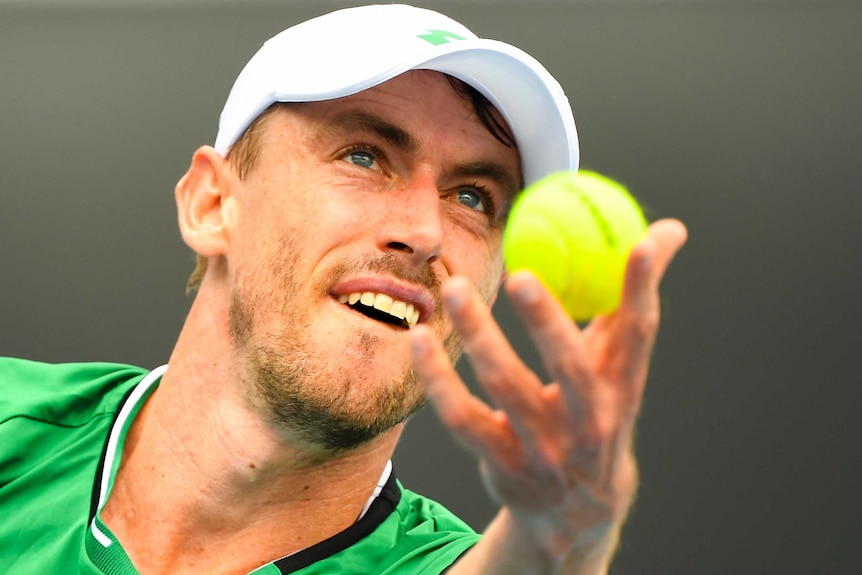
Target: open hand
{"points": [[557, 456]]}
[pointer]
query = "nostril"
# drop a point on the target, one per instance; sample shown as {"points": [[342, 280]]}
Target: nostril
{"points": [[401, 247]]}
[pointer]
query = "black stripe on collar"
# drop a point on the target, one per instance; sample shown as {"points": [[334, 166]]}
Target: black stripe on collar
{"points": [[97, 482], [380, 509]]}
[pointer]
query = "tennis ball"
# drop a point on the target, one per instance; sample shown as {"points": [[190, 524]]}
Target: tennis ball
{"points": [[574, 230]]}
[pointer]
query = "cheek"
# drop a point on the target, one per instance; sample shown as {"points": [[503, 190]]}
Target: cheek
{"points": [[478, 258], [489, 285]]}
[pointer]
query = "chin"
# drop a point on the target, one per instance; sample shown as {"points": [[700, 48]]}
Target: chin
{"points": [[336, 405]]}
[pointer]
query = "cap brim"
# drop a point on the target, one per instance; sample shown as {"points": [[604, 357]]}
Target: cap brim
{"points": [[526, 94]]}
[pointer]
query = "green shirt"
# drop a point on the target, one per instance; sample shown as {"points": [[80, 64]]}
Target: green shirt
{"points": [[61, 435]]}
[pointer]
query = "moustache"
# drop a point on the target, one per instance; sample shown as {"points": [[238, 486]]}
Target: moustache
{"points": [[394, 265]]}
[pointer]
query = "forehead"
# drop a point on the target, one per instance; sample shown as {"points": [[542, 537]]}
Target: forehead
{"points": [[417, 94], [416, 106]]}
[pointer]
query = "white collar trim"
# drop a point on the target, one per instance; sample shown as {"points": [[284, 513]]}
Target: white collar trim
{"points": [[113, 442]]}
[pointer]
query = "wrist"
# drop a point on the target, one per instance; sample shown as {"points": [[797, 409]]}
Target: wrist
{"points": [[571, 549]]}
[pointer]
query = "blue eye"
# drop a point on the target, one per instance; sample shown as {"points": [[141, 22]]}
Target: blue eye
{"points": [[362, 158], [472, 199]]}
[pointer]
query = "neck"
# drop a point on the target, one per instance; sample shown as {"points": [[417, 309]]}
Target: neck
{"points": [[199, 461]]}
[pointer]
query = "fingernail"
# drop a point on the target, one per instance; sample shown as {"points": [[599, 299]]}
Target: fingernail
{"points": [[646, 261], [418, 342], [645, 257], [456, 298], [418, 345], [528, 292]]}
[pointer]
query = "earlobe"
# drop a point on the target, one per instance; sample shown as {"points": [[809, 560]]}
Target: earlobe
{"points": [[204, 203]]}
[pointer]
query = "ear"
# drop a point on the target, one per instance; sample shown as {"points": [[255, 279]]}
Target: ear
{"points": [[205, 203]]}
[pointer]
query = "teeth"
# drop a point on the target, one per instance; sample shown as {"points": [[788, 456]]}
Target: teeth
{"points": [[399, 309], [412, 315], [384, 303]]}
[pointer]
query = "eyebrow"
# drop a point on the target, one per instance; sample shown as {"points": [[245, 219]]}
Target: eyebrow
{"points": [[492, 171], [394, 135], [365, 121]]}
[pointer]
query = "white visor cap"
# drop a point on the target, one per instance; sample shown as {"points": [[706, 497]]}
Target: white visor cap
{"points": [[351, 50]]}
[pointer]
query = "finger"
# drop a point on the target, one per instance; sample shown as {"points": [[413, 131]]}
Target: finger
{"points": [[469, 419], [639, 312], [589, 440], [653, 254], [670, 236], [510, 385], [558, 341]]}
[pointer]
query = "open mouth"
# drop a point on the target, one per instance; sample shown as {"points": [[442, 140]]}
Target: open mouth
{"points": [[382, 307]]}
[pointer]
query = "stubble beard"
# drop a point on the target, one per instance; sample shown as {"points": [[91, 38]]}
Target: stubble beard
{"points": [[315, 400]]}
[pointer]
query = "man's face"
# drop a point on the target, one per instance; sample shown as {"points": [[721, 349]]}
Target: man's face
{"points": [[379, 196]]}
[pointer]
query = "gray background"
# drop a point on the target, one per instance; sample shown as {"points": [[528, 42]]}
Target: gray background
{"points": [[742, 118]]}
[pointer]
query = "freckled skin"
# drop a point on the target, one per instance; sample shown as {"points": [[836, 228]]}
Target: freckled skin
{"points": [[334, 376]]}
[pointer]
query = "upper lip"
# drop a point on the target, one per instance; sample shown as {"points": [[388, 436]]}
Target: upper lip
{"points": [[421, 298]]}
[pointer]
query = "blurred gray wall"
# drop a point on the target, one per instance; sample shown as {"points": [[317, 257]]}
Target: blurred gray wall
{"points": [[742, 118]]}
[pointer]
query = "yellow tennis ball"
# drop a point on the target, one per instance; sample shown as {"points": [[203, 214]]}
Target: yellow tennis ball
{"points": [[575, 231]]}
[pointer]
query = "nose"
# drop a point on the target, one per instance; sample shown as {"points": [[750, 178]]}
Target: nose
{"points": [[413, 223]]}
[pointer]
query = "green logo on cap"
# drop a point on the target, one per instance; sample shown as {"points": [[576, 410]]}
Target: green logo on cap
{"points": [[438, 37]]}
